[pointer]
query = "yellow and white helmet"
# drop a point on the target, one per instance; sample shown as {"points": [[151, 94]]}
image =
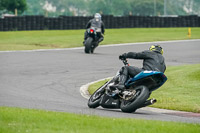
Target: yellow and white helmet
{"points": [[156, 48]]}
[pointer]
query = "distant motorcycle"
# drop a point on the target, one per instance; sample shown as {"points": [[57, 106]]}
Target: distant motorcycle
{"points": [[138, 90], [92, 40]]}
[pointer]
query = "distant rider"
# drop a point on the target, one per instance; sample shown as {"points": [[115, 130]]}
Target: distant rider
{"points": [[153, 60], [97, 23]]}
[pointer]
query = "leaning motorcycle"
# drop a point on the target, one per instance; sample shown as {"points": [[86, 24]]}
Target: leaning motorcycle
{"points": [[92, 40], [135, 96]]}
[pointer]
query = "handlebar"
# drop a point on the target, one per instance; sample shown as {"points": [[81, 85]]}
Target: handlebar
{"points": [[125, 61]]}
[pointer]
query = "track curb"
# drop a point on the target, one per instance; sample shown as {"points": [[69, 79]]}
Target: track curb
{"points": [[84, 88]]}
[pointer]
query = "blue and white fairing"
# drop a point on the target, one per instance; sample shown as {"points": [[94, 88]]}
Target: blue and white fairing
{"points": [[152, 79]]}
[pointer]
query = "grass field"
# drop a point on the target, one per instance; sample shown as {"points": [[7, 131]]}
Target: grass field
{"points": [[28, 40], [16, 120], [180, 92]]}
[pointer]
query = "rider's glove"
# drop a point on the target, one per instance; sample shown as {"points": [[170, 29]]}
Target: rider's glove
{"points": [[123, 56]]}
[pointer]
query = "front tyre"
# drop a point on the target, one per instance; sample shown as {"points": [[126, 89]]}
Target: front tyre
{"points": [[88, 44], [141, 95], [95, 98]]}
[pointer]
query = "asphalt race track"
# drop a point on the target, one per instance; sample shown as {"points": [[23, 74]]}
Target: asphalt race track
{"points": [[51, 79]]}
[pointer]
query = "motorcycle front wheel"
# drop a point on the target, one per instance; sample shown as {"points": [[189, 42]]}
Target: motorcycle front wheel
{"points": [[141, 95], [88, 44], [95, 98]]}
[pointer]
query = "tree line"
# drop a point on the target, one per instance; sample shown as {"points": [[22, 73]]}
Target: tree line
{"points": [[106, 7]]}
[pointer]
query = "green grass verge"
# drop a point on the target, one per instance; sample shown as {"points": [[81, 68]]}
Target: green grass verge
{"points": [[180, 92], [28, 40], [14, 120]]}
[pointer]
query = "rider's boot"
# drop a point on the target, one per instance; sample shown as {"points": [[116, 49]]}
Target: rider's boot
{"points": [[100, 39], [84, 40], [85, 37]]}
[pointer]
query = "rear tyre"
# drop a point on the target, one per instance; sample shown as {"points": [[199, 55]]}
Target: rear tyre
{"points": [[88, 44], [142, 94]]}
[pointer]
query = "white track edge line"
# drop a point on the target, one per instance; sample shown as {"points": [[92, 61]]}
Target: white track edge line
{"points": [[84, 88], [109, 45]]}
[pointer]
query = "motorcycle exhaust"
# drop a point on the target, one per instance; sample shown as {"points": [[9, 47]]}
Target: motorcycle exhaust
{"points": [[149, 102], [152, 101]]}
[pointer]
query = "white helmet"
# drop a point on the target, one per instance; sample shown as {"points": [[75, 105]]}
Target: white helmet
{"points": [[97, 16]]}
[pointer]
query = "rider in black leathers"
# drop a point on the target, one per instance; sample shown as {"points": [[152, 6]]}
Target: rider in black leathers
{"points": [[97, 23], [152, 61]]}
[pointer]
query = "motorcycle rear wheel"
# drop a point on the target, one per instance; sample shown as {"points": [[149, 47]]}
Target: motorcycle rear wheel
{"points": [[88, 44], [142, 94]]}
